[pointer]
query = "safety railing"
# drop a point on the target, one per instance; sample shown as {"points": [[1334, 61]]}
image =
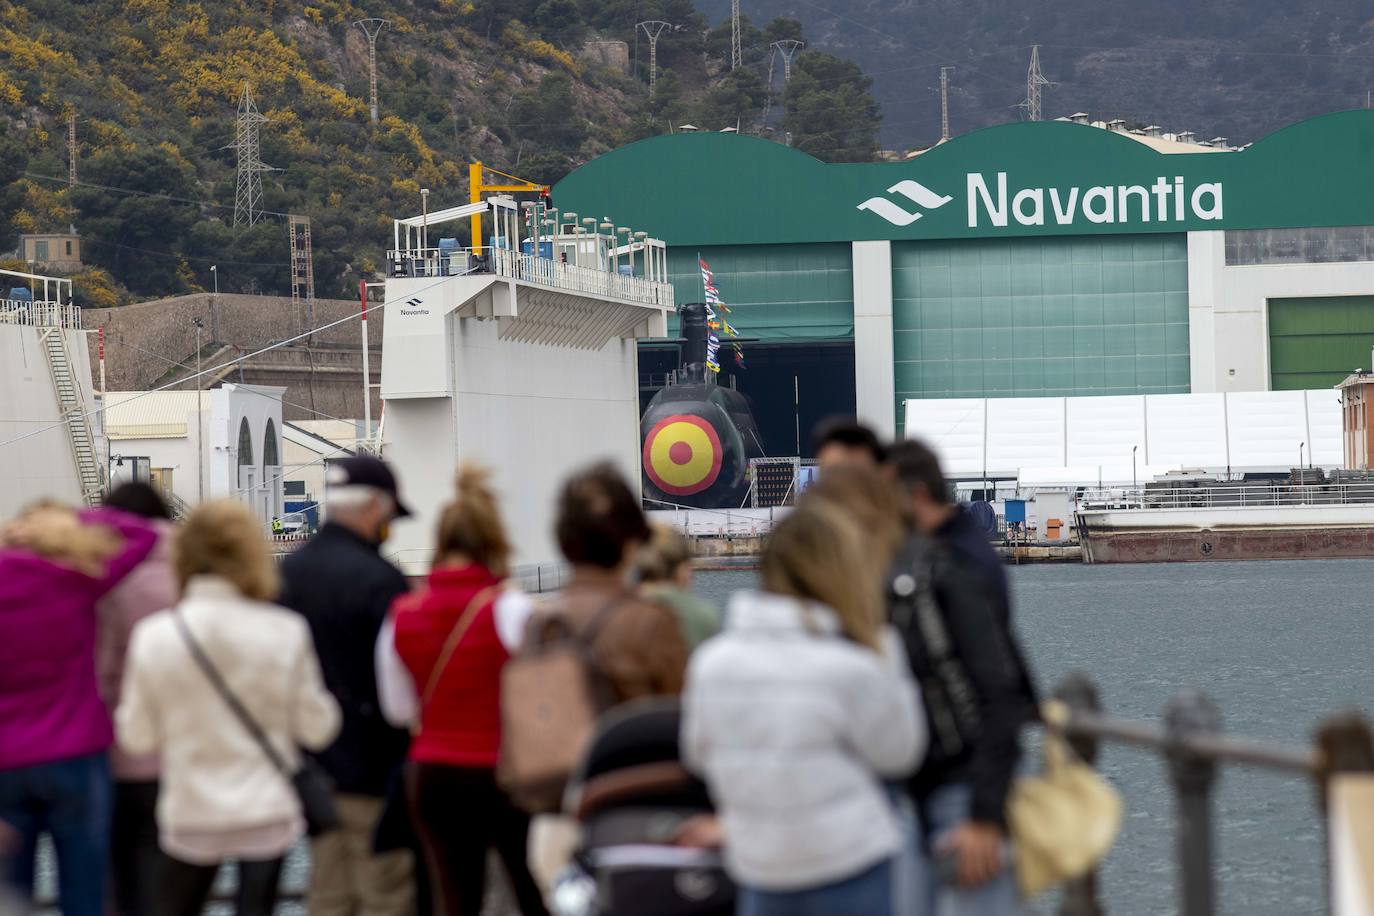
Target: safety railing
{"points": [[37, 314], [530, 268], [1192, 744], [1276, 494]]}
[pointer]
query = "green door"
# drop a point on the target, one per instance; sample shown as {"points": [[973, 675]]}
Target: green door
{"points": [[1314, 342]]}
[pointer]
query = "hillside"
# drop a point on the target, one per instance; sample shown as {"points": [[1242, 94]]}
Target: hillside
{"points": [[1235, 68], [154, 85]]}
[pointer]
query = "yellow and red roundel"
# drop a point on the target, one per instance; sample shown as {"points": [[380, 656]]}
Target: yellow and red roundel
{"points": [[682, 455]]}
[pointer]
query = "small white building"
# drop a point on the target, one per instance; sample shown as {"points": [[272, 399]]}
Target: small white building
{"points": [[201, 445]]}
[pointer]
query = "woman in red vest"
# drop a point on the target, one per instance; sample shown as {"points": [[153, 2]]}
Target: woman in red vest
{"points": [[452, 638]]}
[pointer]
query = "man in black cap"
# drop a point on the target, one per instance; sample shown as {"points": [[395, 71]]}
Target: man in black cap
{"points": [[342, 585]]}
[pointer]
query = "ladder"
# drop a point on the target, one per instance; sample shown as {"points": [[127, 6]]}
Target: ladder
{"points": [[73, 407]]}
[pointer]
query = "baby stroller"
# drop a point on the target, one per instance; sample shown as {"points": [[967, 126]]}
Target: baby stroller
{"points": [[630, 796]]}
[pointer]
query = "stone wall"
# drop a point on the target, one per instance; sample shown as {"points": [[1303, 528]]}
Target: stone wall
{"points": [[144, 342]]}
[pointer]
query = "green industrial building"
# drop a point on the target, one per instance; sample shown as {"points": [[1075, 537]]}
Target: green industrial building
{"points": [[1041, 259]]}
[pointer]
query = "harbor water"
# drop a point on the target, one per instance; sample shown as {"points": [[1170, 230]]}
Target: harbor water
{"points": [[1277, 644]]}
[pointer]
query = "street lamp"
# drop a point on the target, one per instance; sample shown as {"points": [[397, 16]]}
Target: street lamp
{"points": [[424, 221], [1301, 445], [1135, 484], [200, 417]]}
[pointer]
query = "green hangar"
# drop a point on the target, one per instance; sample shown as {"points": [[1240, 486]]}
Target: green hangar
{"points": [[1036, 259]]}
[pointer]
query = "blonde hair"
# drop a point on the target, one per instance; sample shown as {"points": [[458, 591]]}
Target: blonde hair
{"points": [[665, 552], [471, 525], [818, 553], [55, 532], [871, 499], [226, 539]]}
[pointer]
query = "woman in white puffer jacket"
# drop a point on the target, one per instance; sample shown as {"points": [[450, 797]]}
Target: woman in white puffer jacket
{"points": [[796, 715]]}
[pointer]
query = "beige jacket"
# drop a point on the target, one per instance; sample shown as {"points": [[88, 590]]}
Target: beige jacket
{"points": [[214, 775]]}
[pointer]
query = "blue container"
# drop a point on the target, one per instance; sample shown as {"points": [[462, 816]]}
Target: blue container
{"points": [[1015, 511], [545, 247], [21, 294]]}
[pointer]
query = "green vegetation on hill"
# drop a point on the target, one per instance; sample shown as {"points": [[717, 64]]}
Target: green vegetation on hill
{"points": [[154, 85]]}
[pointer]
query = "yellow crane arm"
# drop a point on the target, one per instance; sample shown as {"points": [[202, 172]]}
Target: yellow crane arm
{"points": [[478, 185]]}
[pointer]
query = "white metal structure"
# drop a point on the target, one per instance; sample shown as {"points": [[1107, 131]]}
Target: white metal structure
{"points": [[522, 362], [1087, 440]]}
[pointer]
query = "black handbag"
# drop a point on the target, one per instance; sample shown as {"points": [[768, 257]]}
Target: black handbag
{"points": [[947, 691], [312, 784]]}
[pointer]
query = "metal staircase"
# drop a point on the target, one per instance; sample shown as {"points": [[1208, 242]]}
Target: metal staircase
{"points": [[72, 402]]}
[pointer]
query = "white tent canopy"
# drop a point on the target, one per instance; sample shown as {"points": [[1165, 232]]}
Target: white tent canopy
{"points": [[1074, 440]]}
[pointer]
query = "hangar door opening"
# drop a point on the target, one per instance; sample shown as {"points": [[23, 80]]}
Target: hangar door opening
{"points": [[1316, 341]]}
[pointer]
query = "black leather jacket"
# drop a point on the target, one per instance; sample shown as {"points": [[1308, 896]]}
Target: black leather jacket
{"points": [[977, 692]]}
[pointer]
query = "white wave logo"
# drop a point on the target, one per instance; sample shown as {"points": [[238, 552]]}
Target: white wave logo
{"points": [[917, 193]]}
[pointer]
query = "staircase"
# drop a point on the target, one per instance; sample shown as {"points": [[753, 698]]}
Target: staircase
{"points": [[73, 406]]}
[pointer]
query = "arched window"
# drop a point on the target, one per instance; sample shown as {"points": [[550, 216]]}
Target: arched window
{"points": [[271, 457], [245, 444]]}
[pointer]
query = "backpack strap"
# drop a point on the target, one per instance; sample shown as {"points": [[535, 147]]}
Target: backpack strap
{"points": [[455, 636]]}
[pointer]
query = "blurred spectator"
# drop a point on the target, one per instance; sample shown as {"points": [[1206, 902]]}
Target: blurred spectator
{"points": [[342, 585], [54, 730], [636, 644], [976, 687], [135, 860], [222, 797], [664, 566], [871, 499], [845, 441], [795, 714], [453, 637]]}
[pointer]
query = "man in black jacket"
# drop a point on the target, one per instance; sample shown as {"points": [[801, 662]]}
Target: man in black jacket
{"points": [[342, 585], [949, 597]]}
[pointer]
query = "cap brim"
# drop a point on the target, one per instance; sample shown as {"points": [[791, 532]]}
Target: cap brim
{"points": [[402, 510]]}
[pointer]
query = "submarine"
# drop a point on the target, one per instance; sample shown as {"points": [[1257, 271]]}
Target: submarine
{"points": [[698, 437]]}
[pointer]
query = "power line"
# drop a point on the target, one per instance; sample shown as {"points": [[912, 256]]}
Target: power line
{"points": [[172, 197], [233, 362]]}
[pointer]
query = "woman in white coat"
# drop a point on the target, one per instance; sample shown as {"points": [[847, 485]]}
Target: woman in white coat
{"points": [[221, 797], [796, 715]]}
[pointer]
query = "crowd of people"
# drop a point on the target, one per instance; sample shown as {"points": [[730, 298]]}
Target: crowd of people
{"points": [[172, 698]]}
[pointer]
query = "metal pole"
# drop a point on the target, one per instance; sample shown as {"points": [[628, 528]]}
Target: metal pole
{"points": [[200, 420], [1192, 714], [367, 372], [1135, 482], [1079, 693]]}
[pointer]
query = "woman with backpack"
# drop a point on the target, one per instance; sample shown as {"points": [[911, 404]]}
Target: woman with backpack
{"points": [[796, 714], [225, 687], [439, 665]]}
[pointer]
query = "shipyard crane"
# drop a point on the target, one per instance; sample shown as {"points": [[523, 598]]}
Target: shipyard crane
{"points": [[479, 183]]}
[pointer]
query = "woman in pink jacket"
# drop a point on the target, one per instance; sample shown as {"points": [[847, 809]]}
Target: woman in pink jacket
{"points": [[55, 564]]}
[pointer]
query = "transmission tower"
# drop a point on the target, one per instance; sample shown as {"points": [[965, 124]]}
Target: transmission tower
{"points": [[788, 48], [653, 28], [944, 102], [372, 28], [1035, 80], [248, 192], [71, 148], [736, 58], [302, 270]]}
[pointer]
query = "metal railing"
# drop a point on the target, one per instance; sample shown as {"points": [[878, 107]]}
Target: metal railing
{"points": [[1183, 497], [1192, 743], [530, 268], [39, 314]]}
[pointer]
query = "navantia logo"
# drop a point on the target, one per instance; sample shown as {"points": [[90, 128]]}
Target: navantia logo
{"points": [[415, 302], [917, 193], [997, 203]]}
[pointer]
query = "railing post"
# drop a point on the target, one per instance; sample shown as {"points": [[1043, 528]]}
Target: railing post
{"points": [[1345, 745], [1079, 693], [1191, 713]]}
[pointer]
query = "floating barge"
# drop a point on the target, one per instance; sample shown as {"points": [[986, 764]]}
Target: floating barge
{"points": [[1306, 518]]}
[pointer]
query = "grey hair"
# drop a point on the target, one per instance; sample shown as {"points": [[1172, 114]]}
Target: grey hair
{"points": [[352, 497]]}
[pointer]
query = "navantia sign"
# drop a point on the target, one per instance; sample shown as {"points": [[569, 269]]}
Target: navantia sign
{"points": [[1162, 202], [1041, 178]]}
